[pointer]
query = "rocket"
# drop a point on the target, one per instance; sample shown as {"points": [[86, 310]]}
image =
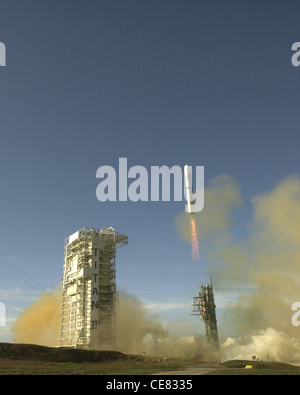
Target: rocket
{"points": [[188, 190]]}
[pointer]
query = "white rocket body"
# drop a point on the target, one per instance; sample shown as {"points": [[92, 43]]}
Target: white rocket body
{"points": [[188, 189]]}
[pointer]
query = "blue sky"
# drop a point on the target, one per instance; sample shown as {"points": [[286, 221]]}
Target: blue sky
{"points": [[160, 82]]}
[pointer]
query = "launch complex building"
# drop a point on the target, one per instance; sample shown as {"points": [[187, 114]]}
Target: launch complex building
{"points": [[89, 292]]}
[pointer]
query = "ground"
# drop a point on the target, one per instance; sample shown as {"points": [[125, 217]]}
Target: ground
{"points": [[26, 359]]}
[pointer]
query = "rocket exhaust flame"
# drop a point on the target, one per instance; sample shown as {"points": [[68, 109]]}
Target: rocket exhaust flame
{"points": [[195, 245], [189, 209]]}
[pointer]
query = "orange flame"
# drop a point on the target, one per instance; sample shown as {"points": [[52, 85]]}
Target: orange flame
{"points": [[195, 245]]}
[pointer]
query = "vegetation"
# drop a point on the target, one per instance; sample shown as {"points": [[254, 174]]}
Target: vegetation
{"points": [[130, 366], [140, 366], [21, 359], [238, 367]]}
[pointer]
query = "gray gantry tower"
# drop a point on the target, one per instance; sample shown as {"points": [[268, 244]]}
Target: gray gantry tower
{"points": [[204, 306]]}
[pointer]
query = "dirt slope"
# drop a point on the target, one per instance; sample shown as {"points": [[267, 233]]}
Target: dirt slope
{"points": [[32, 352]]}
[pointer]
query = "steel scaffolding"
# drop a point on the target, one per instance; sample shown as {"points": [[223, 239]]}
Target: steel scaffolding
{"points": [[204, 306], [89, 291]]}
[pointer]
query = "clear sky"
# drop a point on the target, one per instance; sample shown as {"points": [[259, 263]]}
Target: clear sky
{"points": [[160, 82]]}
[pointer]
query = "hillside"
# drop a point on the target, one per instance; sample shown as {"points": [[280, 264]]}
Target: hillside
{"points": [[27, 359], [31, 352]]}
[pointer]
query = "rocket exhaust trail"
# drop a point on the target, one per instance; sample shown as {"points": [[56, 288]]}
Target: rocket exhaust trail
{"points": [[195, 245], [189, 198]]}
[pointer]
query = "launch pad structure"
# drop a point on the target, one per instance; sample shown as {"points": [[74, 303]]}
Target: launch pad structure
{"points": [[89, 291], [204, 306]]}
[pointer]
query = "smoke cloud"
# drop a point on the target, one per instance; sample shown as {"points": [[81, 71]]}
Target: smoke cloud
{"points": [[258, 265], [261, 270], [221, 196], [137, 332], [40, 322]]}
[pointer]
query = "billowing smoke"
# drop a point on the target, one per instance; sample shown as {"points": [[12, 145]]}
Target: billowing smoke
{"points": [[256, 268], [137, 332], [40, 322], [260, 267]]}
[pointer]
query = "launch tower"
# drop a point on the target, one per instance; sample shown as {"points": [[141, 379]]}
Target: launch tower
{"points": [[204, 305], [89, 292]]}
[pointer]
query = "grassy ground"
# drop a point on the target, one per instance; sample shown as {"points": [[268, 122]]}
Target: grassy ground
{"points": [[140, 366], [130, 366], [30, 359], [258, 368], [25, 359]]}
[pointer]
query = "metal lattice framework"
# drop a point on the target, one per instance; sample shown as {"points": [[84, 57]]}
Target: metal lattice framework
{"points": [[89, 291], [204, 306]]}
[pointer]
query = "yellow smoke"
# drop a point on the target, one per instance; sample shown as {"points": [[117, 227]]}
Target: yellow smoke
{"points": [[221, 196], [40, 322], [136, 331], [262, 268]]}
